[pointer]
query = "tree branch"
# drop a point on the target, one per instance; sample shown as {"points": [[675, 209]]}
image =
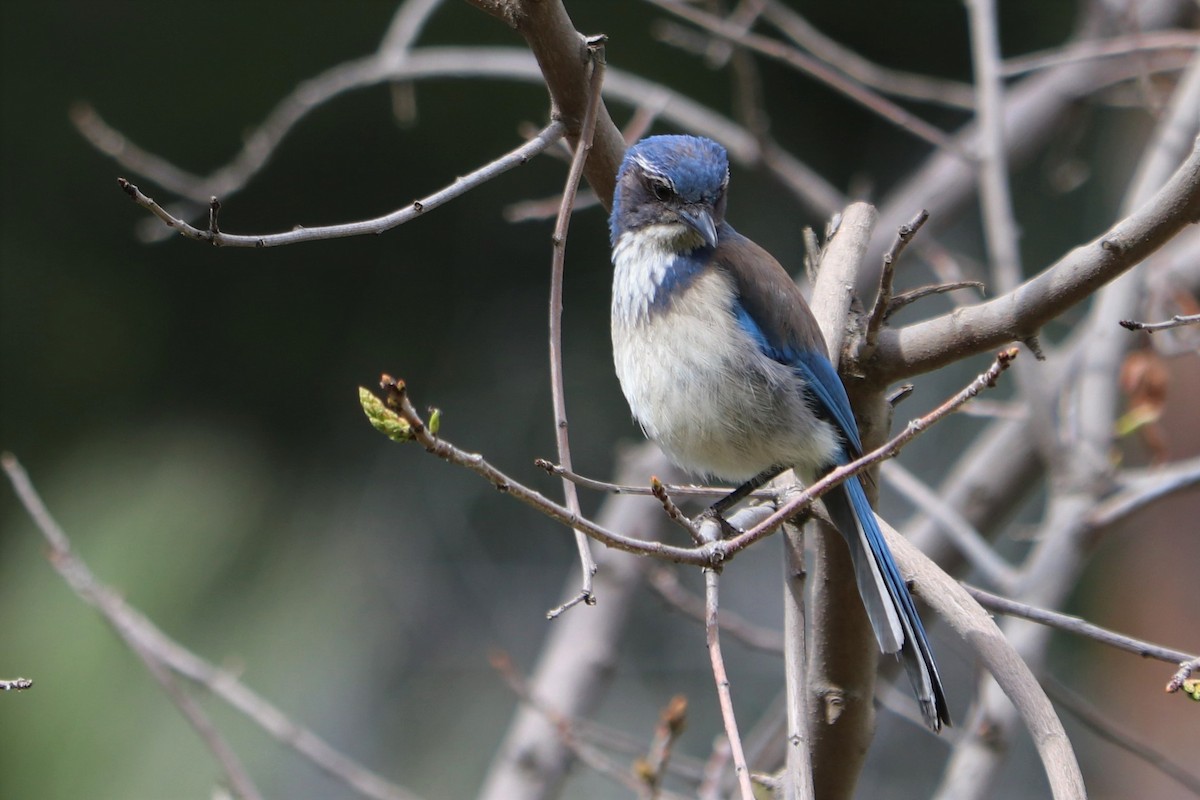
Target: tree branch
{"points": [[973, 625], [1076, 626], [159, 653], [1019, 314], [562, 56], [521, 155], [558, 265]]}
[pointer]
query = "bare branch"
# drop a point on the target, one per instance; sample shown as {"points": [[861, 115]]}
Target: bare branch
{"points": [[1075, 625], [712, 553], [406, 25], [548, 136], [925, 88], [973, 625], [15, 684], [1018, 314], [652, 768], [1138, 44], [800, 740], [1150, 327], [1180, 678], [966, 539], [436, 445], [920, 293], [87, 588], [999, 226], [558, 266], [810, 66], [561, 53], [1147, 487], [673, 512], [884, 300], [712, 635], [665, 582], [160, 653], [563, 725]]}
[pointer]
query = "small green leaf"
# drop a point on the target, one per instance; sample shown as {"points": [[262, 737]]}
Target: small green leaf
{"points": [[1192, 687], [435, 420], [382, 418]]}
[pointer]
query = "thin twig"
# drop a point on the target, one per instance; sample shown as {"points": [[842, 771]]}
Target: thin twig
{"points": [[665, 582], [969, 542], [111, 607], [1176, 321], [15, 684], [240, 782], [810, 66], [912, 295], [688, 490], [565, 728], [652, 767], [558, 266], [883, 301], [897, 83], [659, 490], [1186, 668], [712, 635], [85, 585], [397, 398], [548, 136], [1075, 625], [133, 627], [1144, 487], [712, 553]]}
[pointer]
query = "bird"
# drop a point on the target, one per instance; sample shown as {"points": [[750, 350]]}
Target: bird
{"points": [[724, 366]]}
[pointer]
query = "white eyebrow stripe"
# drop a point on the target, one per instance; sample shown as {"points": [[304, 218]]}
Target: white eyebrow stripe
{"points": [[651, 169]]}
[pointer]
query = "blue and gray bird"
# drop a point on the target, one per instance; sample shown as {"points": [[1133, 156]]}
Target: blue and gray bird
{"points": [[725, 367]]}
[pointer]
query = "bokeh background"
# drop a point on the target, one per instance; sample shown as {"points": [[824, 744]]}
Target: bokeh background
{"points": [[190, 415]]}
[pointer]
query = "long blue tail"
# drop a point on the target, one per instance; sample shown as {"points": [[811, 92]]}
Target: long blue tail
{"points": [[885, 595]]}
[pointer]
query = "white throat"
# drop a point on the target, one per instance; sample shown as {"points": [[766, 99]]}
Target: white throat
{"points": [[642, 259]]}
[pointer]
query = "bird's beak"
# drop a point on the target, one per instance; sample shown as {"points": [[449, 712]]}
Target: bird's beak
{"points": [[700, 220]]}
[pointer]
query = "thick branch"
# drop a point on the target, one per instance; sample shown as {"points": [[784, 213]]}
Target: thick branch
{"points": [[1019, 314], [562, 55], [976, 628]]}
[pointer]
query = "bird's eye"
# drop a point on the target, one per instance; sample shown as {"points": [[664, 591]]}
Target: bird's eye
{"points": [[662, 189]]}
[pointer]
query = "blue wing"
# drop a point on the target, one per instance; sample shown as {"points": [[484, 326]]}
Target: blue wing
{"points": [[813, 367], [822, 380]]}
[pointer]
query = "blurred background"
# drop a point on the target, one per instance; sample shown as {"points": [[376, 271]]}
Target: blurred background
{"points": [[190, 413]]}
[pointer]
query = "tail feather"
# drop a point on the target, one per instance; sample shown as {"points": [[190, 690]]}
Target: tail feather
{"points": [[885, 595]]}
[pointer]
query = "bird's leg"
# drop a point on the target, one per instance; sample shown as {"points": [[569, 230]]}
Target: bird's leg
{"points": [[717, 510]]}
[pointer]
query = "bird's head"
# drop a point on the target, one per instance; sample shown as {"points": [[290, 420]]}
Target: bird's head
{"points": [[672, 187]]}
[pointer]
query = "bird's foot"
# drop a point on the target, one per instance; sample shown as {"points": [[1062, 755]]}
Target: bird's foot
{"points": [[712, 513]]}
